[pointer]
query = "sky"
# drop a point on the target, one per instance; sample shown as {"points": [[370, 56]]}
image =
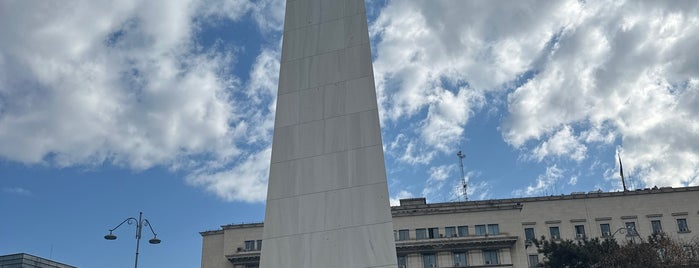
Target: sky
{"points": [[109, 108]]}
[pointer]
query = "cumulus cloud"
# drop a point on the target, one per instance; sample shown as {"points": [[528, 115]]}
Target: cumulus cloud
{"points": [[612, 72], [574, 74], [435, 61], [545, 183], [563, 144], [245, 177], [246, 180], [81, 84]]}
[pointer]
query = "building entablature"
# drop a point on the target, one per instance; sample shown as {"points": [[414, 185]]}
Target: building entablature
{"points": [[449, 208], [455, 244], [244, 257]]}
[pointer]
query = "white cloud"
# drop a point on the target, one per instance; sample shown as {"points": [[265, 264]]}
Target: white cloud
{"points": [[245, 178], [562, 144], [447, 116], [435, 61], [573, 180], [245, 181], [94, 82], [409, 151], [619, 76], [402, 194], [438, 179], [17, 191], [268, 14], [81, 84], [545, 183], [575, 74], [478, 190], [441, 173], [123, 89]]}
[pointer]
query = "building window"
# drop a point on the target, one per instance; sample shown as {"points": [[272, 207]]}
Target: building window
{"points": [[657, 227], [402, 262], [252, 266], [450, 231], [460, 259], [490, 257], [682, 226], [433, 232], [259, 244], [463, 231], [250, 245], [534, 260], [493, 229], [429, 260], [605, 229], [480, 229], [579, 231], [631, 228], [555, 233], [421, 233], [404, 234], [529, 234]]}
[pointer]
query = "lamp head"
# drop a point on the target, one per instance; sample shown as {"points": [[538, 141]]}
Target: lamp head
{"points": [[154, 241], [110, 236]]}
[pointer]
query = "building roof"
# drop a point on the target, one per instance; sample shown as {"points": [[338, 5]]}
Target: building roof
{"points": [[28, 260], [419, 205]]}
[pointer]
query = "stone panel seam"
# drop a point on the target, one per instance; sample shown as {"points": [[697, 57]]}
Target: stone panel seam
{"points": [[329, 52], [323, 85], [330, 230], [326, 191], [330, 153]]}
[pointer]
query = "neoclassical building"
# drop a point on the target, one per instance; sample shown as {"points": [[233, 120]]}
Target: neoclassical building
{"points": [[496, 233]]}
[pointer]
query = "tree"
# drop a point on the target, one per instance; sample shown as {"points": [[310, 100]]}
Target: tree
{"points": [[658, 251]]}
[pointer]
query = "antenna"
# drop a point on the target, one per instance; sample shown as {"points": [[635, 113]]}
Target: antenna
{"points": [[464, 186]]}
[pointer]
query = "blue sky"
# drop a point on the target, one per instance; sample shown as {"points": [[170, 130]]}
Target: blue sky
{"points": [[108, 108]]}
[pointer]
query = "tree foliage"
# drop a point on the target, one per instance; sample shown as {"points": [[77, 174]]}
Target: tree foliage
{"points": [[657, 251]]}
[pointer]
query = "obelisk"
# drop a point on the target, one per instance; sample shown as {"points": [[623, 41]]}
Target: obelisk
{"points": [[327, 202]]}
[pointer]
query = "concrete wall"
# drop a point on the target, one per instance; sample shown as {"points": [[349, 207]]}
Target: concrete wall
{"points": [[327, 201], [213, 253]]}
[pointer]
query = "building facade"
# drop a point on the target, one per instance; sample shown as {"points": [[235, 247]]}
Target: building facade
{"points": [[497, 233], [24, 260]]}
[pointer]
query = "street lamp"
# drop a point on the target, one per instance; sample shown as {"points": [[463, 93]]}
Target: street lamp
{"points": [[139, 226], [630, 233]]}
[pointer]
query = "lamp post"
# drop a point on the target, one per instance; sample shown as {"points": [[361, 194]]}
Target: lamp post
{"points": [[139, 226], [629, 231]]}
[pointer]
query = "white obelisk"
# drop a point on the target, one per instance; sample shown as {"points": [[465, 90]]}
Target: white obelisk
{"points": [[327, 202]]}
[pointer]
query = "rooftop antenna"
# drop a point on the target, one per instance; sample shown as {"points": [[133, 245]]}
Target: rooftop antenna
{"points": [[621, 172], [464, 186]]}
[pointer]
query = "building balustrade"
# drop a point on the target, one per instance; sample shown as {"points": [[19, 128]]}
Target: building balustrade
{"points": [[501, 240]]}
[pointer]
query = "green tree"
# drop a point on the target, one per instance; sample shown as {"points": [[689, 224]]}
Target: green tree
{"points": [[657, 251]]}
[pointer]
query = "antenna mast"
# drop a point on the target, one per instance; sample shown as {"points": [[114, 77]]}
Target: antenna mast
{"points": [[464, 186]]}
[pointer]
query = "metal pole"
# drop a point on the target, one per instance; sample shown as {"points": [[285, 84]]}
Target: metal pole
{"points": [[464, 190], [139, 225]]}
